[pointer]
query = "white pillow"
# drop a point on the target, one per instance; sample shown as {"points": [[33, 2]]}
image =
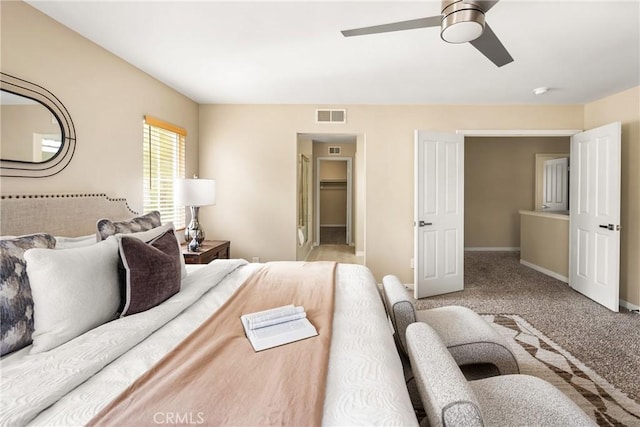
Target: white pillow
{"points": [[75, 242], [74, 291], [149, 235]]}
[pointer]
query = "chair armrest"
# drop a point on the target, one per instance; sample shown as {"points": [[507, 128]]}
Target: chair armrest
{"points": [[445, 393], [399, 307]]}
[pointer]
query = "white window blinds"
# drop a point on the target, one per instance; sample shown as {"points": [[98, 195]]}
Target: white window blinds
{"points": [[164, 161]]}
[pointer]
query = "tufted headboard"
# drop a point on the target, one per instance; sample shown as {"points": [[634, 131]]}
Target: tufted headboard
{"points": [[70, 215]]}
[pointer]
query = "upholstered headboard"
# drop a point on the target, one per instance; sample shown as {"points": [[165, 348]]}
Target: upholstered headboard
{"points": [[68, 215]]}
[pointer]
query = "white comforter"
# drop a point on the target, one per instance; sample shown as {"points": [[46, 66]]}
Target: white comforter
{"points": [[70, 384]]}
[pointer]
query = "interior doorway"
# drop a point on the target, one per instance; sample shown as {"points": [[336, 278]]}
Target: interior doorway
{"points": [[340, 238], [594, 193], [334, 200]]}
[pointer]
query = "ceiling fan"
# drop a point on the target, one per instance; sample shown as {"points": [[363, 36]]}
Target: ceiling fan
{"points": [[460, 21]]}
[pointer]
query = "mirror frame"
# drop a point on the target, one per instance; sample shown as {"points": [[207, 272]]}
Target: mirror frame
{"points": [[303, 199], [24, 169]]}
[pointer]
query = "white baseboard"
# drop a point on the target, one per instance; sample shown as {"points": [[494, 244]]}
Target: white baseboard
{"points": [[545, 271], [333, 225], [628, 305], [492, 248]]}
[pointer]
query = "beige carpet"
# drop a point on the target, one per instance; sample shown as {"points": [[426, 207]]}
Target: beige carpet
{"points": [[539, 356], [333, 235], [339, 253], [607, 342]]}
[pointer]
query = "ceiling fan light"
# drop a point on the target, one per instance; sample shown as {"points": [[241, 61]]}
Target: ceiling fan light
{"points": [[461, 23], [462, 32]]}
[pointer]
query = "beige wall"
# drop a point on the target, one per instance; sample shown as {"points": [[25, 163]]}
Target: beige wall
{"points": [[251, 151], [333, 170], [333, 206], [625, 107], [545, 242], [106, 98], [499, 180]]}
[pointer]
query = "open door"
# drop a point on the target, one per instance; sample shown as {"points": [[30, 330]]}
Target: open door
{"points": [[438, 213], [555, 185], [594, 250]]}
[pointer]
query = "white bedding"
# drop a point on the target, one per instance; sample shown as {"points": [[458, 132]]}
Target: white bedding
{"points": [[70, 384]]}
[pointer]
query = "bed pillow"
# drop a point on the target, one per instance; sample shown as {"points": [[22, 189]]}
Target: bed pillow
{"points": [[74, 290], [16, 302], [149, 235], [75, 242], [149, 272], [107, 228]]}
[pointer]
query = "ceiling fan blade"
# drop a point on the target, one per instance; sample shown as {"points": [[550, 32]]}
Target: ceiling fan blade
{"points": [[432, 21], [491, 47], [485, 5]]}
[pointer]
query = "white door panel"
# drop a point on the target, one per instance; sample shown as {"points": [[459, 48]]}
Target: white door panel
{"points": [[595, 214], [555, 185], [439, 213]]}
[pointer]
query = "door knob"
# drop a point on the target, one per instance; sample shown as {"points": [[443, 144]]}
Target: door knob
{"points": [[422, 223], [610, 227]]}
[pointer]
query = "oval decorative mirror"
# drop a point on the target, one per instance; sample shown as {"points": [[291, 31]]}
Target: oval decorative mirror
{"points": [[37, 136]]}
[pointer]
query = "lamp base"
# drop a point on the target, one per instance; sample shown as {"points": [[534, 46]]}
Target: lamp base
{"points": [[194, 246], [194, 232]]}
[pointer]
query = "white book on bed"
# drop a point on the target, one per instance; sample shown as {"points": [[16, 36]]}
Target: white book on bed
{"points": [[277, 326]]}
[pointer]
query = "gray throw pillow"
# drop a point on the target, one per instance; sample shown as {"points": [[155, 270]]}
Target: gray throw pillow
{"points": [[107, 228], [16, 302], [74, 290], [150, 272]]}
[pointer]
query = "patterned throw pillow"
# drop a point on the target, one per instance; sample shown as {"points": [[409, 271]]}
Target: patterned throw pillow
{"points": [[16, 302], [107, 228]]}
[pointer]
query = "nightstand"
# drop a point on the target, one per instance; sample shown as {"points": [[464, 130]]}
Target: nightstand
{"points": [[208, 251]]}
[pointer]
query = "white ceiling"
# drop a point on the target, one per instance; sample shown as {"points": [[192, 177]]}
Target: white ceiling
{"points": [[293, 53]]}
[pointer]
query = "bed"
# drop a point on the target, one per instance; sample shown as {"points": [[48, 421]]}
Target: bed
{"points": [[72, 382]]}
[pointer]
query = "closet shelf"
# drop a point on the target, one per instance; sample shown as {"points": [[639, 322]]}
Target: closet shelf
{"points": [[333, 184]]}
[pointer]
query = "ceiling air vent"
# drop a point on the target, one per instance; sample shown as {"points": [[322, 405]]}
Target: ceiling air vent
{"points": [[334, 151], [331, 116]]}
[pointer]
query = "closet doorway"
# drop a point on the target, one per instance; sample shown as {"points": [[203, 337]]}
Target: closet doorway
{"points": [[330, 152], [334, 200]]}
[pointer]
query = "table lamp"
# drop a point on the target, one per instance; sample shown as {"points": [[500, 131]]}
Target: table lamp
{"points": [[194, 193]]}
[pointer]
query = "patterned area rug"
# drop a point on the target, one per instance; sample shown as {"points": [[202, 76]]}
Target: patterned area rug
{"points": [[539, 356]]}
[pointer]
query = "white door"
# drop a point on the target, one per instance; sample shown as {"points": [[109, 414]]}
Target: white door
{"points": [[555, 184], [349, 204], [594, 259], [439, 213]]}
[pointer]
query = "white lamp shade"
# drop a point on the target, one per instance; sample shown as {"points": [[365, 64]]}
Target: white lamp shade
{"points": [[194, 192]]}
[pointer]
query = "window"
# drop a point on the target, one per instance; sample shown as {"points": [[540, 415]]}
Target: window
{"points": [[164, 160]]}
